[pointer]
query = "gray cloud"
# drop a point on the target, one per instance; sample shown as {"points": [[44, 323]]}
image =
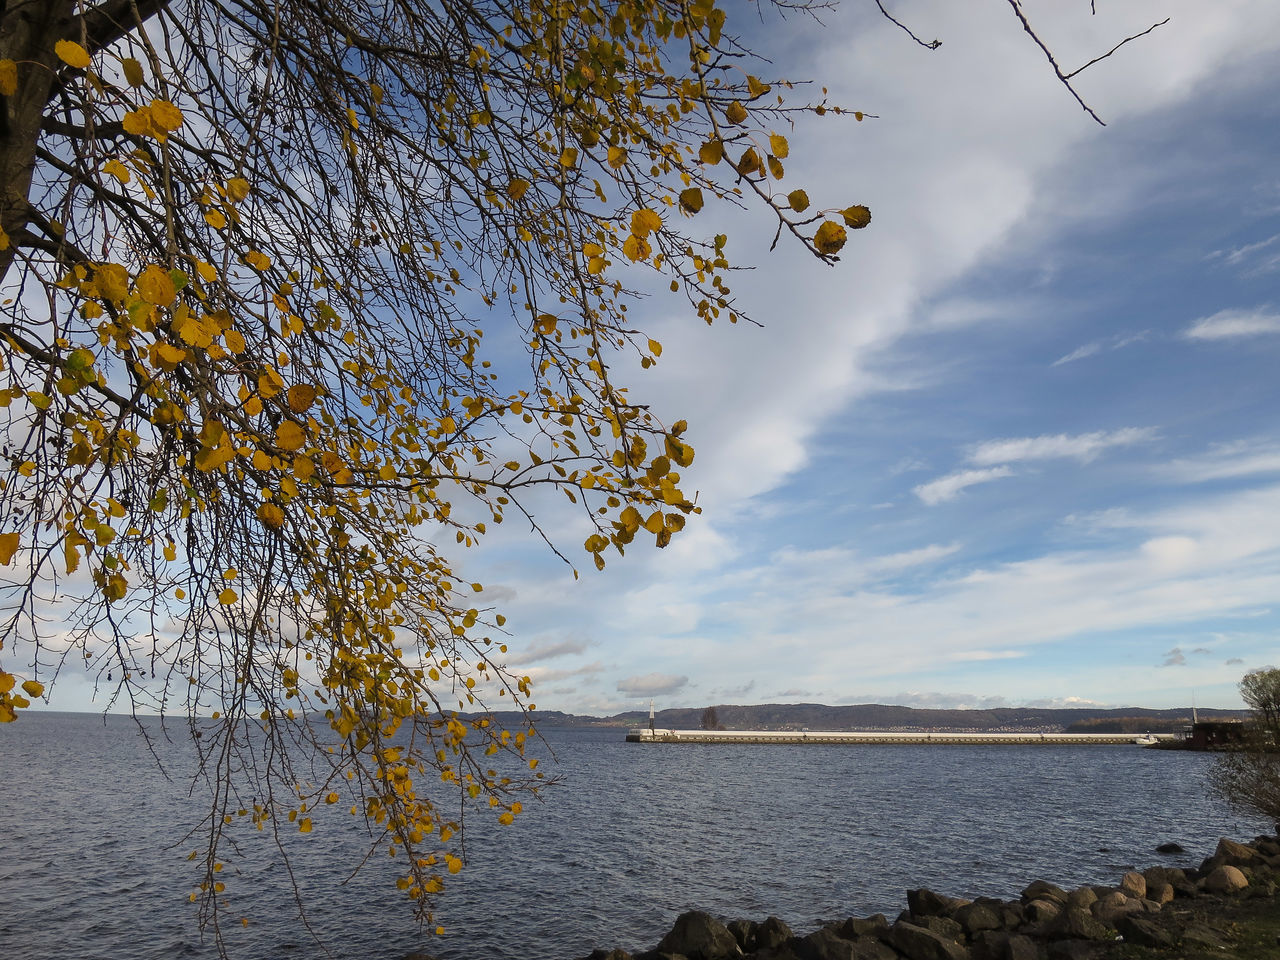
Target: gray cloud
{"points": [[541, 650], [1174, 658], [651, 684]]}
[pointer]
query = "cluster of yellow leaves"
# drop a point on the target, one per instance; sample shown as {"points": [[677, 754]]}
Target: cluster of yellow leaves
{"points": [[11, 701]]}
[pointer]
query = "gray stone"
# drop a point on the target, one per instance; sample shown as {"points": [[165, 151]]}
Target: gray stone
{"points": [[1075, 950], [744, 931], [920, 943], [1133, 885], [943, 927], [1113, 905], [976, 917], [1002, 945], [823, 944], [1043, 890], [1225, 879], [873, 926], [926, 903], [1075, 923], [700, 936], [1084, 897], [1037, 912], [1144, 932], [1160, 892], [1170, 848], [771, 933], [1236, 854]]}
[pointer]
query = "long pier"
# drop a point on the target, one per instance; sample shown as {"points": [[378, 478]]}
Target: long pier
{"points": [[647, 735]]}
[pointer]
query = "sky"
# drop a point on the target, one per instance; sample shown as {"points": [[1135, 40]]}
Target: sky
{"points": [[1021, 446]]}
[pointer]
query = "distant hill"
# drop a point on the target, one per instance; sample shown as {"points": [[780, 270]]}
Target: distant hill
{"points": [[875, 716]]}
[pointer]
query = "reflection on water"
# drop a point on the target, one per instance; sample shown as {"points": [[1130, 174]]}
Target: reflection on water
{"points": [[93, 847]]}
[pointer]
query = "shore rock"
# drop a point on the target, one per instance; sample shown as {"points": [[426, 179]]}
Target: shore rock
{"points": [[1224, 880], [1002, 945], [921, 943], [700, 936], [926, 903], [1133, 885], [1044, 890], [1144, 932]]}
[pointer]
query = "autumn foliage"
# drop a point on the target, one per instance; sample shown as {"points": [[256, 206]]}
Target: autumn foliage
{"points": [[299, 299]]}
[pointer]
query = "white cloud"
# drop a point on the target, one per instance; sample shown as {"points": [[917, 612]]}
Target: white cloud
{"points": [[1084, 447], [895, 562], [979, 655], [949, 487], [1242, 458], [1088, 350], [1098, 346], [1230, 324]]}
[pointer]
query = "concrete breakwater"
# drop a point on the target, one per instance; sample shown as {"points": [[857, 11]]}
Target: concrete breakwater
{"points": [[1161, 912], [647, 735]]}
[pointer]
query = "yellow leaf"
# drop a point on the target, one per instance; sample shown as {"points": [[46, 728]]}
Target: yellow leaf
{"points": [[749, 163], [112, 281], [215, 218], [691, 199], [775, 167], [138, 123], [234, 341], [655, 348], [516, 188], [72, 54], [711, 152], [117, 170], [300, 397], [257, 260], [617, 157], [170, 354], [636, 249], [133, 72], [830, 237], [271, 516], [798, 200], [208, 272], [33, 688], [644, 222], [756, 88], [304, 825], [7, 680], [778, 146], [8, 547], [290, 435], [170, 552], [237, 188], [569, 158], [156, 286], [228, 597], [8, 78], [736, 113], [165, 115], [856, 217]]}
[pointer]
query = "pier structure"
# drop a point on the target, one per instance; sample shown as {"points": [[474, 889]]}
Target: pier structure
{"points": [[651, 735]]}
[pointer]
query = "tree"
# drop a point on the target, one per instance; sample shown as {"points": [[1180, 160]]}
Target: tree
{"points": [[710, 719], [1249, 777], [250, 251], [250, 254]]}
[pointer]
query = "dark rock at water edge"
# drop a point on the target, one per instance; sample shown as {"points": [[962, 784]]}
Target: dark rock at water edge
{"points": [[1161, 908]]}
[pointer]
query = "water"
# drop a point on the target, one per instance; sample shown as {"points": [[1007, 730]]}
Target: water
{"points": [[93, 857]]}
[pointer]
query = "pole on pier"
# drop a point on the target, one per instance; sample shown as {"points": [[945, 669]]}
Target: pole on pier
{"points": [[651, 730]]}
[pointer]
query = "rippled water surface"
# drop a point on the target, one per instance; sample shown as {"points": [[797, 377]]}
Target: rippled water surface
{"points": [[93, 855]]}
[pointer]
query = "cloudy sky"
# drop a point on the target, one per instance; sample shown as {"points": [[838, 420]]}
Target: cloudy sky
{"points": [[1022, 444]]}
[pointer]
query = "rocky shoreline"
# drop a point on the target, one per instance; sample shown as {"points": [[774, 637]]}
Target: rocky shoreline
{"points": [[1225, 908]]}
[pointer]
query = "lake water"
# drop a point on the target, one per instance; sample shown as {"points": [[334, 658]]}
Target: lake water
{"points": [[93, 857]]}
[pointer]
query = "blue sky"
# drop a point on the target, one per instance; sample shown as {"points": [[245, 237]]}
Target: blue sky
{"points": [[1022, 444]]}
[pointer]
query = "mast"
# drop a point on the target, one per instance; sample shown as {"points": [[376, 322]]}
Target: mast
{"points": [[651, 715]]}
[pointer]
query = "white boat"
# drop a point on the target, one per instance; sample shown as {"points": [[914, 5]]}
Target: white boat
{"points": [[1146, 740]]}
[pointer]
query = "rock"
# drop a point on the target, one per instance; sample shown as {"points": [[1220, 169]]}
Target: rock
{"points": [[1225, 879], [1084, 897], [1043, 890], [1160, 892], [1134, 885], [1199, 934], [617, 953], [744, 931], [926, 903], [943, 926], [1075, 923], [1144, 932], [1236, 854], [1013, 914], [1002, 945], [1037, 912], [772, 933], [1169, 875], [873, 926], [700, 936], [976, 917], [1113, 905], [823, 944], [1170, 848], [920, 943]]}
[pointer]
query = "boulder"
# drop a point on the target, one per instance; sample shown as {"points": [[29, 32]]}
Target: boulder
{"points": [[1160, 892], [1084, 897], [826, 944], [1170, 875], [926, 903], [1235, 854], [977, 916], [1002, 945], [1144, 932], [1170, 848], [617, 953], [1224, 880], [1043, 890], [943, 926], [1074, 923], [873, 926], [1075, 950], [1133, 885], [700, 936], [1114, 904], [744, 931], [920, 943], [772, 933], [1036, 912]]}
